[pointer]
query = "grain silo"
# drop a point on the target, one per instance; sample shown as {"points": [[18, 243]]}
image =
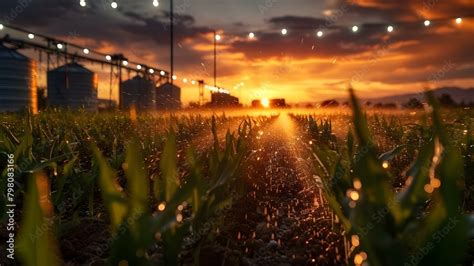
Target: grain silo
{"points": [[18, 81], [168, 96], [138, 91], [72, 86]]}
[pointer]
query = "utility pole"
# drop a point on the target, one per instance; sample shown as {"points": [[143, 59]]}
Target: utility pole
{"points": [[215, 59], [171, 43]]}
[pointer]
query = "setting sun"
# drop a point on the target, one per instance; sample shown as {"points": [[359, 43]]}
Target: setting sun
{"points": [[265, 102], [237, 132]]}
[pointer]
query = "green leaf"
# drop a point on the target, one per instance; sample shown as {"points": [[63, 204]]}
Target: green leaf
{"points": [[165, 189], [36, 243], [114, 198], [138, 183]]}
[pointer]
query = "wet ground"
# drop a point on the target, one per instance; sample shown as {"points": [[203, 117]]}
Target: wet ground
{"points": [[283, 219]]}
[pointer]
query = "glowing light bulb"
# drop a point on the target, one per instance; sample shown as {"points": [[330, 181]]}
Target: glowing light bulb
{"points": [[60, 46], [458, 20], [151, 71], [251, 35], [174, 77], [284, 31], [218, 37], [355, 28], [139, 67], [355, 240], [320, 34], [86, 51], [114, 5], [162, 73], [357, 184], [125, 62], [193, 82], [156, 3], [162, 206], [1, 26], [435, 183], [185, 80], [427, 23], [83, 3], [358, 259], [265, 102], [428, 188], [31, 36], [390, 28], [354, 195], [108, 57], [385, 165]]}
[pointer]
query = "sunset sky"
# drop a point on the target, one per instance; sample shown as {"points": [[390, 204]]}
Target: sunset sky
{"points": [[299, 66]]}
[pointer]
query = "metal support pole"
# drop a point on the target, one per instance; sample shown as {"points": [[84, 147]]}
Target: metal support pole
{"points": [[110, 88], [171, 42], [215, 59]]}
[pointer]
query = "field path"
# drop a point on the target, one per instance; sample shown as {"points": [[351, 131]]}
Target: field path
{"points": [[283, 219]]}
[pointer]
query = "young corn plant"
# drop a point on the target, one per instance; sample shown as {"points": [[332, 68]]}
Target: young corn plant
{"points": [[141, 217], [422, 224], [57, 159], [37, 245]]}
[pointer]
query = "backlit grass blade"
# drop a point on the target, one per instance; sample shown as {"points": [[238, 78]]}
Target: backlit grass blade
{"points": [[137, 179], [375, 180], [37, 247], [166, 186], [114, 198]]}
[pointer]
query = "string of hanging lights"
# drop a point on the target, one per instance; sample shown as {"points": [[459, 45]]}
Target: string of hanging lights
{"points": [[320, 33], [139, 67]]}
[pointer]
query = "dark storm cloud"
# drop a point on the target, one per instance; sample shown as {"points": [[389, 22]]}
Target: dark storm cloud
{"points": [[301, 41], [346, 10], [295, 22], [158, 28], [137, 30], [403, 9], [48, 14], [129, 29], [36, 12], [338, 40]]}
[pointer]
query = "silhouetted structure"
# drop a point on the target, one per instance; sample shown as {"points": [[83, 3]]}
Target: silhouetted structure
{"points": [[72, 86], [168, 97], [257, 104], [219, 99], [138, 91], [18, 84], [42, 98], [278, 103]]}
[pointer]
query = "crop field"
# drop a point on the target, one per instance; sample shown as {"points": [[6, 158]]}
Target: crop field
{"points": [[344, 186]]}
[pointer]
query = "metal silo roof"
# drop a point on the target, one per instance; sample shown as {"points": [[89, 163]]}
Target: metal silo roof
{"points": [[7, 53], [72, 67]]}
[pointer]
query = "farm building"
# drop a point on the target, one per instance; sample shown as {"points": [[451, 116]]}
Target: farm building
{"points": [[18, 81], [224, 100], [72, 86], [168, 97], [138, 91], [278, 103]]}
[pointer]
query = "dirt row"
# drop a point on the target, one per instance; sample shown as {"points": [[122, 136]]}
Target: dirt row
{"points": [[282, 220]]}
